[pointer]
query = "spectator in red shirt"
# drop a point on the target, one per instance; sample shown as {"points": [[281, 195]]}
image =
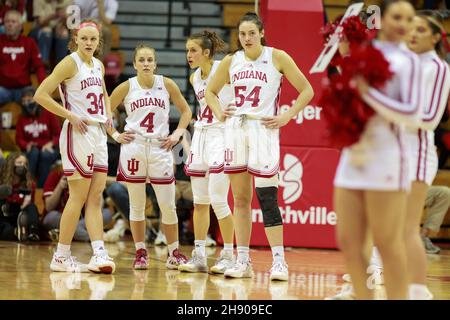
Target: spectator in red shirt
{"points": [[19, 56], [56, 193], [6, 5], [37, 134], [19, 217]]}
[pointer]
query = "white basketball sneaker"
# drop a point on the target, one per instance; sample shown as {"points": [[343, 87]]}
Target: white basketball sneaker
{"points": [[102, 263], [279, 271], [196, 264], [241, 269], [67, 264], [226, 261]]}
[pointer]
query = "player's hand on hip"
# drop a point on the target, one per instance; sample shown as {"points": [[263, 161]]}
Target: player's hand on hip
{"points": [[229, 111], [125, 137], [109, 123], [80, 124], [169, 142], [275, 122]]}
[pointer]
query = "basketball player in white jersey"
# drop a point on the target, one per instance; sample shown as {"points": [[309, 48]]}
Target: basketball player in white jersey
{"points": [[82, 144], [252, 135], [149, 157], [426, 40], [371, 180], [206, 158]]}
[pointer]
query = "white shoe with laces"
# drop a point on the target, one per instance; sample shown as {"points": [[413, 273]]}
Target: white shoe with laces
{"points": [[62, 263], [279, 271], [196, 264], [225, 261], [102, 263], [241, 269]]}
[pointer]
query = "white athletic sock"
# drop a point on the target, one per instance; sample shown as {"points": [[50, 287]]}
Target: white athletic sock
{"points": [[172, 247], [278, 254], [375, 259], [63, 250], [139, 245], [243, 253], [417, 291], [228, 247], [98, 246], [200, 247]]}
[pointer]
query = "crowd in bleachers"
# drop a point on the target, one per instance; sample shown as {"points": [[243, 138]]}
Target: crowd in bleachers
{"points": [[33, 190]]}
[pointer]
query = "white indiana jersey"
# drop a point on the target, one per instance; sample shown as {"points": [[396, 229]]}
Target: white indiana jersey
{"points": [[256, 84], [83, 93], [148, 109], [205, 116]]}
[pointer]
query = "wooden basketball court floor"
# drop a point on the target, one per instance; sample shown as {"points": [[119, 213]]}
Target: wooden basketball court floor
{"points": [[314, 274]]}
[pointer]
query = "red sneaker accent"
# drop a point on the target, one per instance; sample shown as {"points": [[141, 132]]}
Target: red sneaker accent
{"points": [[141, 260]]}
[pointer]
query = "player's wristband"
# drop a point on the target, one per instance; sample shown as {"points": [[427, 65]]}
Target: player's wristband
{"points": [[115, 135]]}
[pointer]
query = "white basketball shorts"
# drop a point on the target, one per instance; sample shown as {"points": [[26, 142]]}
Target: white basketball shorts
{"points": [[250, 146], [83, 154]]}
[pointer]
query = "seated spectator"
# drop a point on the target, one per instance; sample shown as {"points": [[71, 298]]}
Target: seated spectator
{"points": [[104, 11], [437, 203], [56, 193], [19, 218], [37, 134], [19, 56], [6, 5], [50, 29]]}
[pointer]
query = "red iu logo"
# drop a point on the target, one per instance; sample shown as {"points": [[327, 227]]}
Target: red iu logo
{"points": [[133, 166], [228, 156], [90, 161]]}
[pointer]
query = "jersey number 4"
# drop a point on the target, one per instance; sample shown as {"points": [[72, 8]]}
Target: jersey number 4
{"points": [[207, 114], [96, 103], [147, 122], [252, 97]]}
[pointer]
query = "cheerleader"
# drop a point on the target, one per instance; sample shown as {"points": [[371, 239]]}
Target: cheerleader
{"points": [[427, 41], [371, 181]]}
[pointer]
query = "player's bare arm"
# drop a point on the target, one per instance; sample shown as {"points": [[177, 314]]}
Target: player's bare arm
{"points": [[66, 69], [286, 65], [220, 78], [182, 106]]}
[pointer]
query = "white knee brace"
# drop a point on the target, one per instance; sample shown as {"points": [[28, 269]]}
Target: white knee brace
{"points": [[200, 190], [165, 194], [219, 184], [266, 182], [221, 209], [136, 192]]}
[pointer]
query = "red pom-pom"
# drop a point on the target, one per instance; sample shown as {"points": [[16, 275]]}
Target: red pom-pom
{"points": [[354, 30], [369, 62], [343, 109]]}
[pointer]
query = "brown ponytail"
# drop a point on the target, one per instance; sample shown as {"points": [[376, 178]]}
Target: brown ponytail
{"points": [[210, 40]]}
